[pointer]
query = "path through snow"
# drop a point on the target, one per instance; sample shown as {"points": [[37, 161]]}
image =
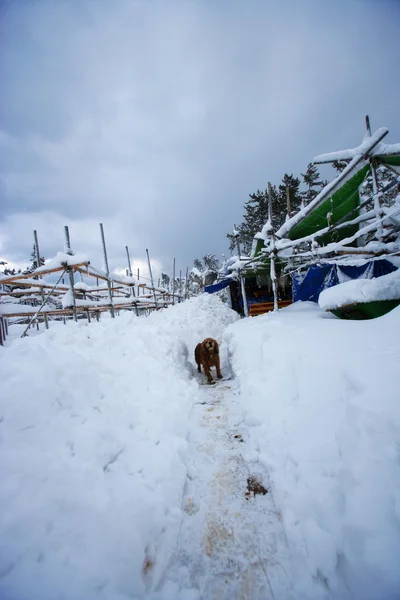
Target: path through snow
{"points": [[230, 542]]}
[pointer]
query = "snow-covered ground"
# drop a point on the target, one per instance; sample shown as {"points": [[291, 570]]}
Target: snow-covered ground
{"points": [[123, 477]]}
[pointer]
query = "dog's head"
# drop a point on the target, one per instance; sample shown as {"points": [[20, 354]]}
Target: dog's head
{"points": [[210, 345]]}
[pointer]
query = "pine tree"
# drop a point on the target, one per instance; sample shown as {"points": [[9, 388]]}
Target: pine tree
{"points": [[293, 183], [340, 165], [254, 218], [198, 264], [384, 177], [211, 262], [311, 181], [34, 264], [165, 280]]}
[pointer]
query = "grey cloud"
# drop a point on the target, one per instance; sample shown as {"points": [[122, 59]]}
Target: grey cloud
{"points": [[160, 118]]}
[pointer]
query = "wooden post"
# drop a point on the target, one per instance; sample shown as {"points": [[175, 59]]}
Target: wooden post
{"points": [[241, 279], [46, 320], [180, 286], [375, 185], [129, 261], [131, 275], [272, 249], [173, 284], [151, 278], [187, 284], [103, 241], [70, 271], [368, 125]]}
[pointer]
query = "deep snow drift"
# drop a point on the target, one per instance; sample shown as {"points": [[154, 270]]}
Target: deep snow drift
{"points": [[92, 452], [96, 450], [322, 397]]}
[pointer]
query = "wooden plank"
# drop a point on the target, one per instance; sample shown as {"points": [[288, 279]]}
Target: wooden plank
{"points": [[263, 307], [44, 272]]}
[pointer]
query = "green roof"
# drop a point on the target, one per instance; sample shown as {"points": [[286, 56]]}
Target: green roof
{"points": [[338, 205]]}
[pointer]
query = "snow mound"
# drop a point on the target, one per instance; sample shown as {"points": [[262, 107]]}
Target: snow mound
{"points": [[386, 287], [321, 398], [93, 428]]}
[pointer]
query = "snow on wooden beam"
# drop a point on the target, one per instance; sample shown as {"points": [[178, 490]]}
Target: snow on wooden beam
{"points": [[364, 149]]}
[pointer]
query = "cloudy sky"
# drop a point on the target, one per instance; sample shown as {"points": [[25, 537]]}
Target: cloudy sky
{"points": [[158, 118]]}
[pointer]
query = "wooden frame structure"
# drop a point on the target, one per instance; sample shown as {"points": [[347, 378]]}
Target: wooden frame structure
{"points": [[337, 223], [77, 300]]}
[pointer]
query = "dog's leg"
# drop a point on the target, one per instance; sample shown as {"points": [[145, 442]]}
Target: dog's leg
{"points": [[197, 357], [208, 373], [219, 374]]}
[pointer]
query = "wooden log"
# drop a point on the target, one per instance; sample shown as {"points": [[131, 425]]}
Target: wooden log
{"points": [[44, 272]]}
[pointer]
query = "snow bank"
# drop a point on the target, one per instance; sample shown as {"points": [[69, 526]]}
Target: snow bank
{"points": [[386, 287], [93, 428], [321, 396]]}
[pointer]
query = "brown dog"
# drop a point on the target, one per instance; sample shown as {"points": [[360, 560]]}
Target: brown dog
{"points": [[207, 354]]}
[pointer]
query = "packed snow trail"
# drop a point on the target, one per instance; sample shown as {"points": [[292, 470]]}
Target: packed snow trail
{"points": [[230, 539]]}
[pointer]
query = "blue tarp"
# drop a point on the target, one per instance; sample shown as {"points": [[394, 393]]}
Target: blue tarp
{"points": [[211, 289], [309, 284]]}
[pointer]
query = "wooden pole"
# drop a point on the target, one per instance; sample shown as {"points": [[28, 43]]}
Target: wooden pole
{"points": [[241, 279], [2, 336], [68, 251], [272, 250], [375, 185], [151, 278], [187, 284], [131, 275], [368, 125], [173, 284], [103, 241], [67, 241], [180, 286], [46, 320], [129, 261]]}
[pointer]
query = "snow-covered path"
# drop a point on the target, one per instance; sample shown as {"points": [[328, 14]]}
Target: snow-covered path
{"points": [[125, 478], [230, 539]]}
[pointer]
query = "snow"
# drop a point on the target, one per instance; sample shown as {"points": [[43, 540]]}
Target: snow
{"points": [[61, 259], [124, 478], [67, 300], [8, 308], [362, 149], [24, 282], [93, 429], [321, 398], [265, 233], [386, 287]]}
